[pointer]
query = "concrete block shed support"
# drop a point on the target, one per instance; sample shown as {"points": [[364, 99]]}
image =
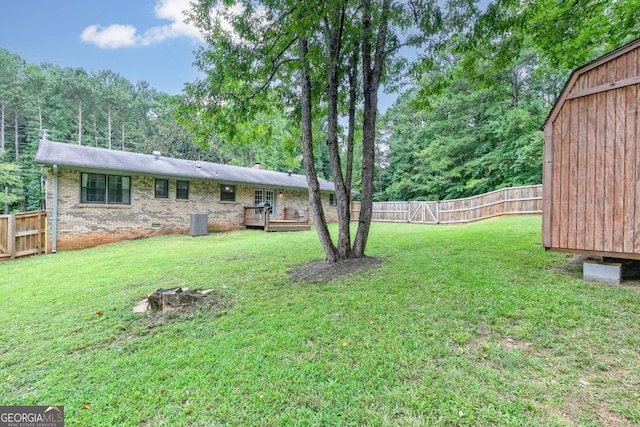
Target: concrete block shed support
{"points": [[603, 272]]}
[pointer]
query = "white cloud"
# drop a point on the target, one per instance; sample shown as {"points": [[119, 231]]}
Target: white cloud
{"points": [[173, 10], [116, 35], [111, 37]]}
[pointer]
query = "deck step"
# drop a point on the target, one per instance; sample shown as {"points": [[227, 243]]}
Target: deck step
{"points": [[289, 227]]}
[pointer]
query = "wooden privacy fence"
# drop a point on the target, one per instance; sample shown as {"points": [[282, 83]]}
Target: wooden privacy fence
{"points": [[506, 201], [22, 234]]}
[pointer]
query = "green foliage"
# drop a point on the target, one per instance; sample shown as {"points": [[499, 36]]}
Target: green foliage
{"points": [[10, 188], [467, 139], [103, 109], [470, 123], [100, 109]]}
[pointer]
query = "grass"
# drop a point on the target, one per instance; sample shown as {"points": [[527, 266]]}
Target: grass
{"points": [[465, 325]]}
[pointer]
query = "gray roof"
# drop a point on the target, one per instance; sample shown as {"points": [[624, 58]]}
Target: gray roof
{"points": [[101, 159]]}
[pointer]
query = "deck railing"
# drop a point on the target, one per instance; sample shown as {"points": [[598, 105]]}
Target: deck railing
{"points": [[22, 234], [255, 216], [506, 201], [258, 216]]}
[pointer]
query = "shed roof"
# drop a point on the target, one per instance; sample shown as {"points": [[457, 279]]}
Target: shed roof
{"points": [[588, 67], [90, 158]]}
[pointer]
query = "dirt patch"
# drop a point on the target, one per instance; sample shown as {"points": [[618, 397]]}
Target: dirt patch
{"points": [[210, 302], [181, 299], [323, 271], [570, 266], [512, 344], [483, 335]]}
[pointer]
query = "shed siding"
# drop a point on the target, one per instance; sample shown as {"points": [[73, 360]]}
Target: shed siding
{"points": [[556, 187], [581, 173], [592, 162], [590, 173], [547, 183], [600, 123], [630, 154], [636, 211]]}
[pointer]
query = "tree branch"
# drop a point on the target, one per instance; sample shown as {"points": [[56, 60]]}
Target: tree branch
{"points": [[275, 66]]}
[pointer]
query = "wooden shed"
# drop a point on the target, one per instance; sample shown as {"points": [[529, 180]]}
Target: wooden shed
{"points": [[591, 170]]}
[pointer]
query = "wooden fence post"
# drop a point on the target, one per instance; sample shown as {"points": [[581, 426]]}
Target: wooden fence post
{"points": [[11, 236], [39, 235], [506, 195]]}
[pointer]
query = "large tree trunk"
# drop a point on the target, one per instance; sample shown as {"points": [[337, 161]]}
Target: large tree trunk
{"points": [[16, 133], [79, 122], [334, 37], [40, 121], [109, 127], [371, 72], [353, 99], [2, 125], [315, 199], [95, 129], [514, 87]]}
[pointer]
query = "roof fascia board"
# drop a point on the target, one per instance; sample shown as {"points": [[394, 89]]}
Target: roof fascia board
{"points": [[186, 178]]}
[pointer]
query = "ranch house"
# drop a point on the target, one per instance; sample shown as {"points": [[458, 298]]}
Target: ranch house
{"points": [[96, 196]]}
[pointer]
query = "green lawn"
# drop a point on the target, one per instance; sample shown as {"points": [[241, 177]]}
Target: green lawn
{"points": [[461, 325]]}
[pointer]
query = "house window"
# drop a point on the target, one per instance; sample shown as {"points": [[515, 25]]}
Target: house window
{"points": [[227, 193], [94, 188], [162, 188], [258, 196], [332, 200], [182, 190], [119, 189], [264, 196], [270, 197], [105, 189]]}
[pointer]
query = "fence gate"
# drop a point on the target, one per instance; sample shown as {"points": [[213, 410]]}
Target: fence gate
{"points": [[22, 234], [423, 212], [5, 250]]}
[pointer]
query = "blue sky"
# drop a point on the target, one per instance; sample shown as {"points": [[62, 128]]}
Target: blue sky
{"points": [[138, 39]]}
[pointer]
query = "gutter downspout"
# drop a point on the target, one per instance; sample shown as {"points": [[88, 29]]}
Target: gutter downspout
{"points": [[54, 220]]}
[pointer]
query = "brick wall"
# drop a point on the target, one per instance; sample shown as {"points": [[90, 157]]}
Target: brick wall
{"points": [[85, 225]]}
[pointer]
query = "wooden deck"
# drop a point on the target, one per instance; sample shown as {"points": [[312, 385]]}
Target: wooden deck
{"points": [[255, 217], [287, 225]]}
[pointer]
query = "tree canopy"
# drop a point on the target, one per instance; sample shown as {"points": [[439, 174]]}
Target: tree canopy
{"points": [[101, 109], [318, 62], [470, 121]]}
